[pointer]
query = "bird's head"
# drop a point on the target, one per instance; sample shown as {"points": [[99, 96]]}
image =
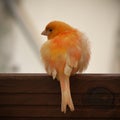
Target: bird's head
{"points": [[54, 28]]}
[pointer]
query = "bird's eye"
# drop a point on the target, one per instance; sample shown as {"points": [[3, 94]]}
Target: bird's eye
{"points": [[50, 30]]}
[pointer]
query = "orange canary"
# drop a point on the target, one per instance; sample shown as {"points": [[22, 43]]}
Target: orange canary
{"points": [[65, 52]]}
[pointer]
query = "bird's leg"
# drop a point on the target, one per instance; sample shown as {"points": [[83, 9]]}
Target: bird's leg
{"points": [[66, 95]]}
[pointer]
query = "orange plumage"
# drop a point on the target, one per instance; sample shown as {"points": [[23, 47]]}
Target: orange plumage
{"points": [[66, 52]]}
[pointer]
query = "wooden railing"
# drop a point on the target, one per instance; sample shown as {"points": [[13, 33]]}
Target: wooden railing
{"points": [[37, 97]]}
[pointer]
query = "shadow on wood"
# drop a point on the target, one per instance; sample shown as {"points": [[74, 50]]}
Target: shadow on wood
{"points": [[37, 97]]}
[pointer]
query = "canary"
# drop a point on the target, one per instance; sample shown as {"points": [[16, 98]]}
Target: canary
{"points": [[65, 52]]}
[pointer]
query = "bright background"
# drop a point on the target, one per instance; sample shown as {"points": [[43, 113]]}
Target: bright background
{"points": [[24, 20]]}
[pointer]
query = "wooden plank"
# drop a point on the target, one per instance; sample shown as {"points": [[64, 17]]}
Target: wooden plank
{"points": [[37, 96], [41, 83], [42, 118], [54, 111], [54, 99], [25, 83]]}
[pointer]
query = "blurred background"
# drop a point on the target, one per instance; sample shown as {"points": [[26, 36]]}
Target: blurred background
{"points": [[22, 21]]}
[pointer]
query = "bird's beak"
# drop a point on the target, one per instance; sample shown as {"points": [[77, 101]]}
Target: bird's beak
{"points": [[44, 33]]}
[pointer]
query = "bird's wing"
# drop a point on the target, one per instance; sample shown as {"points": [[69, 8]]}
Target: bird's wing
{"points": [[62, 52]]}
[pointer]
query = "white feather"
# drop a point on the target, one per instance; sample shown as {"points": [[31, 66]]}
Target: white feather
{"points": [[67, 70], [54, 73]]}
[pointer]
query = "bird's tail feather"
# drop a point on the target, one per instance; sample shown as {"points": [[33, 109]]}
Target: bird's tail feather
{"points": [[66, 95]]}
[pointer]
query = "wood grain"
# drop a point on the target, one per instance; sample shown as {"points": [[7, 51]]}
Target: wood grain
{"points": [[37, 96]]}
